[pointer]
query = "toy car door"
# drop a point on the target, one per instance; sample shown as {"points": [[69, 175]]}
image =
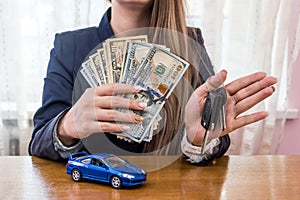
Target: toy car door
{"points": [[98, 170]]}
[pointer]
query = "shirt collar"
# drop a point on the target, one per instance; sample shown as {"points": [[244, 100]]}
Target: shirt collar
{"points": [[104, 29]]}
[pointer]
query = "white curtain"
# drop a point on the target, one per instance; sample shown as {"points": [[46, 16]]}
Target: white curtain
{"points": [[245, 36], [242, 36], [27, 31]]}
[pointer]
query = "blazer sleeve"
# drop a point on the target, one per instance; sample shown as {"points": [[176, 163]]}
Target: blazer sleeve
{"points": [[57, 97]]}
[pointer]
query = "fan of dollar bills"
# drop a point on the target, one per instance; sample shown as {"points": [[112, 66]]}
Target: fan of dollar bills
{"points": [[132, 60]]}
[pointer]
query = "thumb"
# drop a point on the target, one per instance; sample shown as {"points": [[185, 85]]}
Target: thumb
{"points": [[214, 82]]}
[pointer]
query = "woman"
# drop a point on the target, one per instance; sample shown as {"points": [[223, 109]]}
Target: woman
{"points": [[60, 126]]}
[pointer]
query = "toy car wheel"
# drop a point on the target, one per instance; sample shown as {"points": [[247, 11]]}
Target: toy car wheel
{"points": [[76, 175], [116, 182]]}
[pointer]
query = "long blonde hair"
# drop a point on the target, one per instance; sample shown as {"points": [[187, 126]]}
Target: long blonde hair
{"points": [[170, 15]]}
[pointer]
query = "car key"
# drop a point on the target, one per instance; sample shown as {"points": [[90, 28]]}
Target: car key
{"points": [[213, 111], [222, 112], [223, 118]]}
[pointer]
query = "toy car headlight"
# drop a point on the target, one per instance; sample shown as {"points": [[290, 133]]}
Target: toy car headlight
{"points": [[128, 176]]}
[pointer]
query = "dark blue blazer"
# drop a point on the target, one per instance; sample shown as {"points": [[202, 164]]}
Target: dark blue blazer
{"points": [[70, 50]]}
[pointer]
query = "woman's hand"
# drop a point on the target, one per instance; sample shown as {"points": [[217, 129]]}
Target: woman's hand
{"points": [[242, 94], [94, 112]]}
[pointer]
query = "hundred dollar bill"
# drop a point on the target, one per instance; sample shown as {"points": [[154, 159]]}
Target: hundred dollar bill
{"points": [[103, 64], [136, 51], [158, 75], [138, 132], [115, 51], [84, 74], [97, 68], [148, 135], [160, 72], [89, 74]]}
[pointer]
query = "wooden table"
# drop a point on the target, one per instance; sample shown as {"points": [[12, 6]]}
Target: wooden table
{"points": [[230, 177]]}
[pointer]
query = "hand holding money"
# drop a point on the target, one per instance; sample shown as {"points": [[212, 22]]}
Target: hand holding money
{"points": [[94, 112], [131, 60]]}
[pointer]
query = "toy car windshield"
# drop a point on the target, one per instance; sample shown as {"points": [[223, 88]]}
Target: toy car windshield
{"points": [[115, 161]]}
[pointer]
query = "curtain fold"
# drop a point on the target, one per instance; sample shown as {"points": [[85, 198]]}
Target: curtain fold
{"points": [[27, 30], [268, 51], [256, 35]]}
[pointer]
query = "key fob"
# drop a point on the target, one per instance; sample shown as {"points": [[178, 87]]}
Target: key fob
{"points": [[205, 121], [212, 108]]}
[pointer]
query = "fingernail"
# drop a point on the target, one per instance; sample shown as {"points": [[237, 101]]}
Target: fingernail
{"points": [[143, 104], [273, 88], [138, 118], [125, 127]]}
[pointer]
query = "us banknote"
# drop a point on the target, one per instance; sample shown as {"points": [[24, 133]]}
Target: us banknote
{"points": [[88, 73], [115, 49], [158, 74], [132, 60], [97, 68]]}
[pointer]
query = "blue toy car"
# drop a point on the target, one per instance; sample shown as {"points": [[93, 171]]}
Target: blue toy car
{"points": [[106, 168]]}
